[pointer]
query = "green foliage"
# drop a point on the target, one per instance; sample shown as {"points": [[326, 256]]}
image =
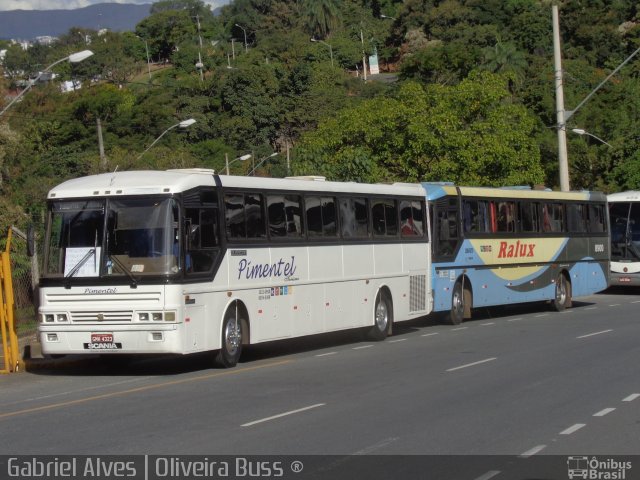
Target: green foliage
{"points": [[471, 133]]}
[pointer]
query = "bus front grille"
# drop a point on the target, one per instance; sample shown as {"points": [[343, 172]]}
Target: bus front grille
{"points": [[97, 317]]}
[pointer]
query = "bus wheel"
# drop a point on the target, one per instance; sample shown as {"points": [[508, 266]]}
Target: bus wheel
{"points": [[231, 350], [382, 318], [460, 302], [562, 299]]}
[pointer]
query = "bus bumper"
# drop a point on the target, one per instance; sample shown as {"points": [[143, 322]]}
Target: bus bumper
{"points": [[107, 339], [624, 279]]}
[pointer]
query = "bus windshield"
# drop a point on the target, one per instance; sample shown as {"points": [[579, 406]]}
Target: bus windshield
{"points": [[128, 237], [625, 230]]}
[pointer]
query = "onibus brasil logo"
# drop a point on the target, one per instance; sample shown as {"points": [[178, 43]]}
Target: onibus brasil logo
{"points": [[596, 469]]}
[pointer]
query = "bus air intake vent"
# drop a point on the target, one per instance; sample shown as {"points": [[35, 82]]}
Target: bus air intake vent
{"points": [[417, 293], [99, 317]]}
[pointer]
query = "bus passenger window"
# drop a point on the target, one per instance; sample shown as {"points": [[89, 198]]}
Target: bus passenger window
{"points": [[354, 219]]}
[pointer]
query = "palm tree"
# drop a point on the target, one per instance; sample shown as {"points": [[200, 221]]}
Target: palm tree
{"points": [[504, 58], [322, 16]]}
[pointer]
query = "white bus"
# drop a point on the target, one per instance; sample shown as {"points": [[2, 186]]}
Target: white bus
{"points": [[184, 261], [624, 216]]}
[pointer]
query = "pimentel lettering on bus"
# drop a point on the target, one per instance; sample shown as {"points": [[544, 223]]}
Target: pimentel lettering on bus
{"points": [[517, 249], [281, 268]]}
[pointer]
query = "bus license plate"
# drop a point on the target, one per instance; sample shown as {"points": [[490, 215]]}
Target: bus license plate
{"points": [[102, 341]]}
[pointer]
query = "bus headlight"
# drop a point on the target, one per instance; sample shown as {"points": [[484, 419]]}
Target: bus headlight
{"points": [[143, 316], [156, 316], [61, 317], [48, 317], [170, 317]]}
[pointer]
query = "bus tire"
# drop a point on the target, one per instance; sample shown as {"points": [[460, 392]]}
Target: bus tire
{"points": [[382, 318], [232, 339], [460, 304], [562, 297]]}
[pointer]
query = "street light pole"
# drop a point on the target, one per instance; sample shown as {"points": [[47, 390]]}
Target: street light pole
{"points": [[73, 58], [581, 131], [261, 162], [364, 57], [325, 43], [563, 163], [246, 47], [182, 124], [242, 159]]}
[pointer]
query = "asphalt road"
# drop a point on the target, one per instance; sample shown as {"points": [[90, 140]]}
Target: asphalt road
{"points": [[518, 381]]}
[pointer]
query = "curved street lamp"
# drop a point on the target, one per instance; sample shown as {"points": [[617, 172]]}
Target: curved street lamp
{"points": [[182, 124], [325, 43], [261, 162], [246, 47], [241, 159], [73, 58], [581, 131]]}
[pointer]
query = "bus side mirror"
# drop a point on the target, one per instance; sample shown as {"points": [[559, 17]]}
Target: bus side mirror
{"points": [[31, 241]]}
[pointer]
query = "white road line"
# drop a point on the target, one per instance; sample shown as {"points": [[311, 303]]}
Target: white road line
{"points": [[596, 333], [631, 397], [472, 364], [362, 347], [456, 329], [603, 412], [533, 451], [567, 311], [429, 334], [488, 475], [541, 315], [274, 417], [614, 305], [514, 319], [326, 354], [591, 308], [636, 301], [573, 429], [398, 340], [487, 324], [378, 446]]}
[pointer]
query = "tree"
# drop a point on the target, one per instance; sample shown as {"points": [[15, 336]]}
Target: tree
{"points": [[323, 16], [471, 133]]}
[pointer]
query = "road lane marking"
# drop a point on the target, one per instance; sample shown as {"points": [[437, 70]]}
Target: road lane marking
{"points": [[514, 319], [398, 340], [614, 305], [533, 451], [636, 301], [456, 329], [573, 429], [631, 397], [326, 354], [541, 315], [362, 347], [487, 324], [596, 333], [429, 334], [378, 446], [603, 412], [490, 474], [472, 364], [285, 414], [591, 308], [146, 388]]}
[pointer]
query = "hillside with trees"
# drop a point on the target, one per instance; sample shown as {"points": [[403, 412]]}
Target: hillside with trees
{"points": [[466, 95]]}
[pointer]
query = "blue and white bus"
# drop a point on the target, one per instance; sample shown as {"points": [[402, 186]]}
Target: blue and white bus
{"points": [[498, 246], [188, 261], [624, 215]]}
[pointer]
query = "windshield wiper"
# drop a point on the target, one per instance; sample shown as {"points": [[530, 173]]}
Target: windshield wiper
{"points": [[82, 261], [123, 267]]}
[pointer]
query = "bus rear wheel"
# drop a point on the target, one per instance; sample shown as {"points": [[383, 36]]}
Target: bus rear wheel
{"points": [[382, 318], [460, 303], [562, 299], [231, 347]]}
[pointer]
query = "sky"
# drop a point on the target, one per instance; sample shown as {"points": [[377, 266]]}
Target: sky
{"points": [[70, 4]]}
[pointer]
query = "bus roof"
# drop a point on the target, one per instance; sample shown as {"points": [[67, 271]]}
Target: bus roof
{"points": [[152, 182], [437, 191], [628, 196]]}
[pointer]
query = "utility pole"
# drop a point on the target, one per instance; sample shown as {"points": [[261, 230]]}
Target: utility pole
{"points": [[563, 162], [364, 57]]}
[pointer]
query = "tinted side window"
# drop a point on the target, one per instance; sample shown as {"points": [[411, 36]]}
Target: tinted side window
{"points": [[354, 218], [285, 218], [384, 217], [411, 218], [529, 218], [577, 217]]}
